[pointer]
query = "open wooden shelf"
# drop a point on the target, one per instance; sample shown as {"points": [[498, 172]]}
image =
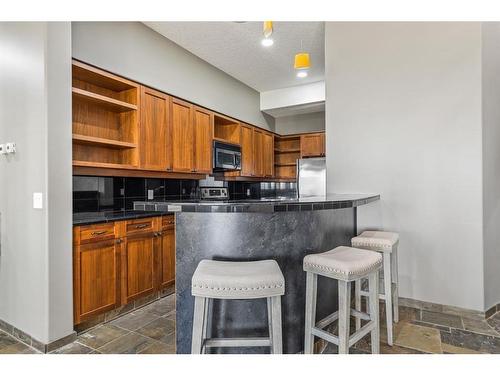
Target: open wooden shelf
{"points": [[226, 141], [226, 129], [101, 78], [80, 163], [96, 141], [286, 151], [105, 102], [285, 164]]}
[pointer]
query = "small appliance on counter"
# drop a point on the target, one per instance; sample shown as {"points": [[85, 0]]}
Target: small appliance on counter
{"points": [[227, 157], [311, 177]]}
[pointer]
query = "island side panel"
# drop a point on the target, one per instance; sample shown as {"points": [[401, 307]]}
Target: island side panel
{"points": [[284, 236]]}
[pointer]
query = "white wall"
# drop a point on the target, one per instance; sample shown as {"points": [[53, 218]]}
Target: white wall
{"points": [[35, 112], [491, 160], [133, 50], [302, 123], [403, 119], [293, 96]]}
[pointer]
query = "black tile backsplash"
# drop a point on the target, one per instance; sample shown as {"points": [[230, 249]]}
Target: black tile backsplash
{"points": [[257, 190], [92, 193]]}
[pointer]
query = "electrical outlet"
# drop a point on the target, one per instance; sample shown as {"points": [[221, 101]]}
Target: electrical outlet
{"points": [[10, 148], [150, 194]]}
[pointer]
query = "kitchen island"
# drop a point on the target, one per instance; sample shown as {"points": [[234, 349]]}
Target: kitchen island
{"points": [[282, 229]]}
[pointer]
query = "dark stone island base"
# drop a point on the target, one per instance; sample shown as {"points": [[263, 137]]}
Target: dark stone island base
{"points": [[284, 236]]}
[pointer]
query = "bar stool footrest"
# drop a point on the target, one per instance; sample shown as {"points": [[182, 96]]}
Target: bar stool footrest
{"points": [[236, 342], [353, 339]]}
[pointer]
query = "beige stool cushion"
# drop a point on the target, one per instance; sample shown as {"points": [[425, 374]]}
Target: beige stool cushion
{"points": [[238, 280], [343, 263], [376, 240]]}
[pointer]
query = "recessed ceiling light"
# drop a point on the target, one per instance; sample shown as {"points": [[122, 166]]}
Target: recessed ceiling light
{"points": [[302, 74], [267, 42]]}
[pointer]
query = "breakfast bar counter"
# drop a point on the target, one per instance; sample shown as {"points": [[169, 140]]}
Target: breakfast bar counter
{"points": [[285, 230]]}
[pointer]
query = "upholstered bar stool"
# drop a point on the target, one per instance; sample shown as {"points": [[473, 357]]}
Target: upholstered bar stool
{"points": [[387, 244], [346, 265], [237, 280]]}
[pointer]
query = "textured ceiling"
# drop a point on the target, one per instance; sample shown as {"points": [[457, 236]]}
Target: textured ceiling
{"points": [[235, 48]]}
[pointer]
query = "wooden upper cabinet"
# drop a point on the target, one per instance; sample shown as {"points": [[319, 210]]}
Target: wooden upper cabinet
{"points": [[154, 130], [258, 152], [268, 154], [312, 145], [247, 151], [182, 136], [203, 138]]}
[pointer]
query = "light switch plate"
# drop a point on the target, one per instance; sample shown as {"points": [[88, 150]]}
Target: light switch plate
{"points": [[38, 201]]}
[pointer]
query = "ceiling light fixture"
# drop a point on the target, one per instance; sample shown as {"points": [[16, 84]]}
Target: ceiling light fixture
{"points": [[267, 30], [267, 42], [302, 63]]}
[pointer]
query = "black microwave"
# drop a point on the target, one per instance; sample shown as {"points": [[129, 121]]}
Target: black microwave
{"points": [[227, 157]]}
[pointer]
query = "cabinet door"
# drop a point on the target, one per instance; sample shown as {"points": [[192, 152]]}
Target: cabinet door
{"points": [[268, 154], [167, 257], [182, 136], [258, 153], [203, 140], [138, 266], [96, 273], [312, 145], [247, 151], [323, 144], [154, 130]]}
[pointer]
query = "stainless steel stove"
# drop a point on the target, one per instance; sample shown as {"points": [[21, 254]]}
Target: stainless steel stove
{"points": [[214, 193]]}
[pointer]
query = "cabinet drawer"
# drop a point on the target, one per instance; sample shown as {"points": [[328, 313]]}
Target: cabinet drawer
{"points": [[97, 232], [140, 226], [167, 221]]}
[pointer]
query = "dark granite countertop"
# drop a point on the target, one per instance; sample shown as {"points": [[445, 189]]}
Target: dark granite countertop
{"points": [[328, 202], [85, 218]]}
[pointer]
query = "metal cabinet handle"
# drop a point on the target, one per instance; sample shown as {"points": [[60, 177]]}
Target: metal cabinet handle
{"points": [[141, 226], [119, 241], [99, 232]]}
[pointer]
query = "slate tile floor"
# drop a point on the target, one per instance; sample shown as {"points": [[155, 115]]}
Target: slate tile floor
{"points": [[148, 330], [151, 330], [428, 332]]}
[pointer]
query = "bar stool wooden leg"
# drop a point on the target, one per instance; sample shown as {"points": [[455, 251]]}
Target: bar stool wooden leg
{"points": [[206, 323], [374, 312], [344, 316], [277, 345], [395, 279], [270, 322], [357, 300], [198, 320], [311, 292], [388, 295]]}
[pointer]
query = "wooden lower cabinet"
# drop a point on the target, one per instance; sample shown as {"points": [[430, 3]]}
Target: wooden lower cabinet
{"points": [[96, 278], [138, 266], [166, 255], [111, 272]]}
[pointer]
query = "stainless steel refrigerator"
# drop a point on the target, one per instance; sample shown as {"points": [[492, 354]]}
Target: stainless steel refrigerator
{"points": [[311, 177]]}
